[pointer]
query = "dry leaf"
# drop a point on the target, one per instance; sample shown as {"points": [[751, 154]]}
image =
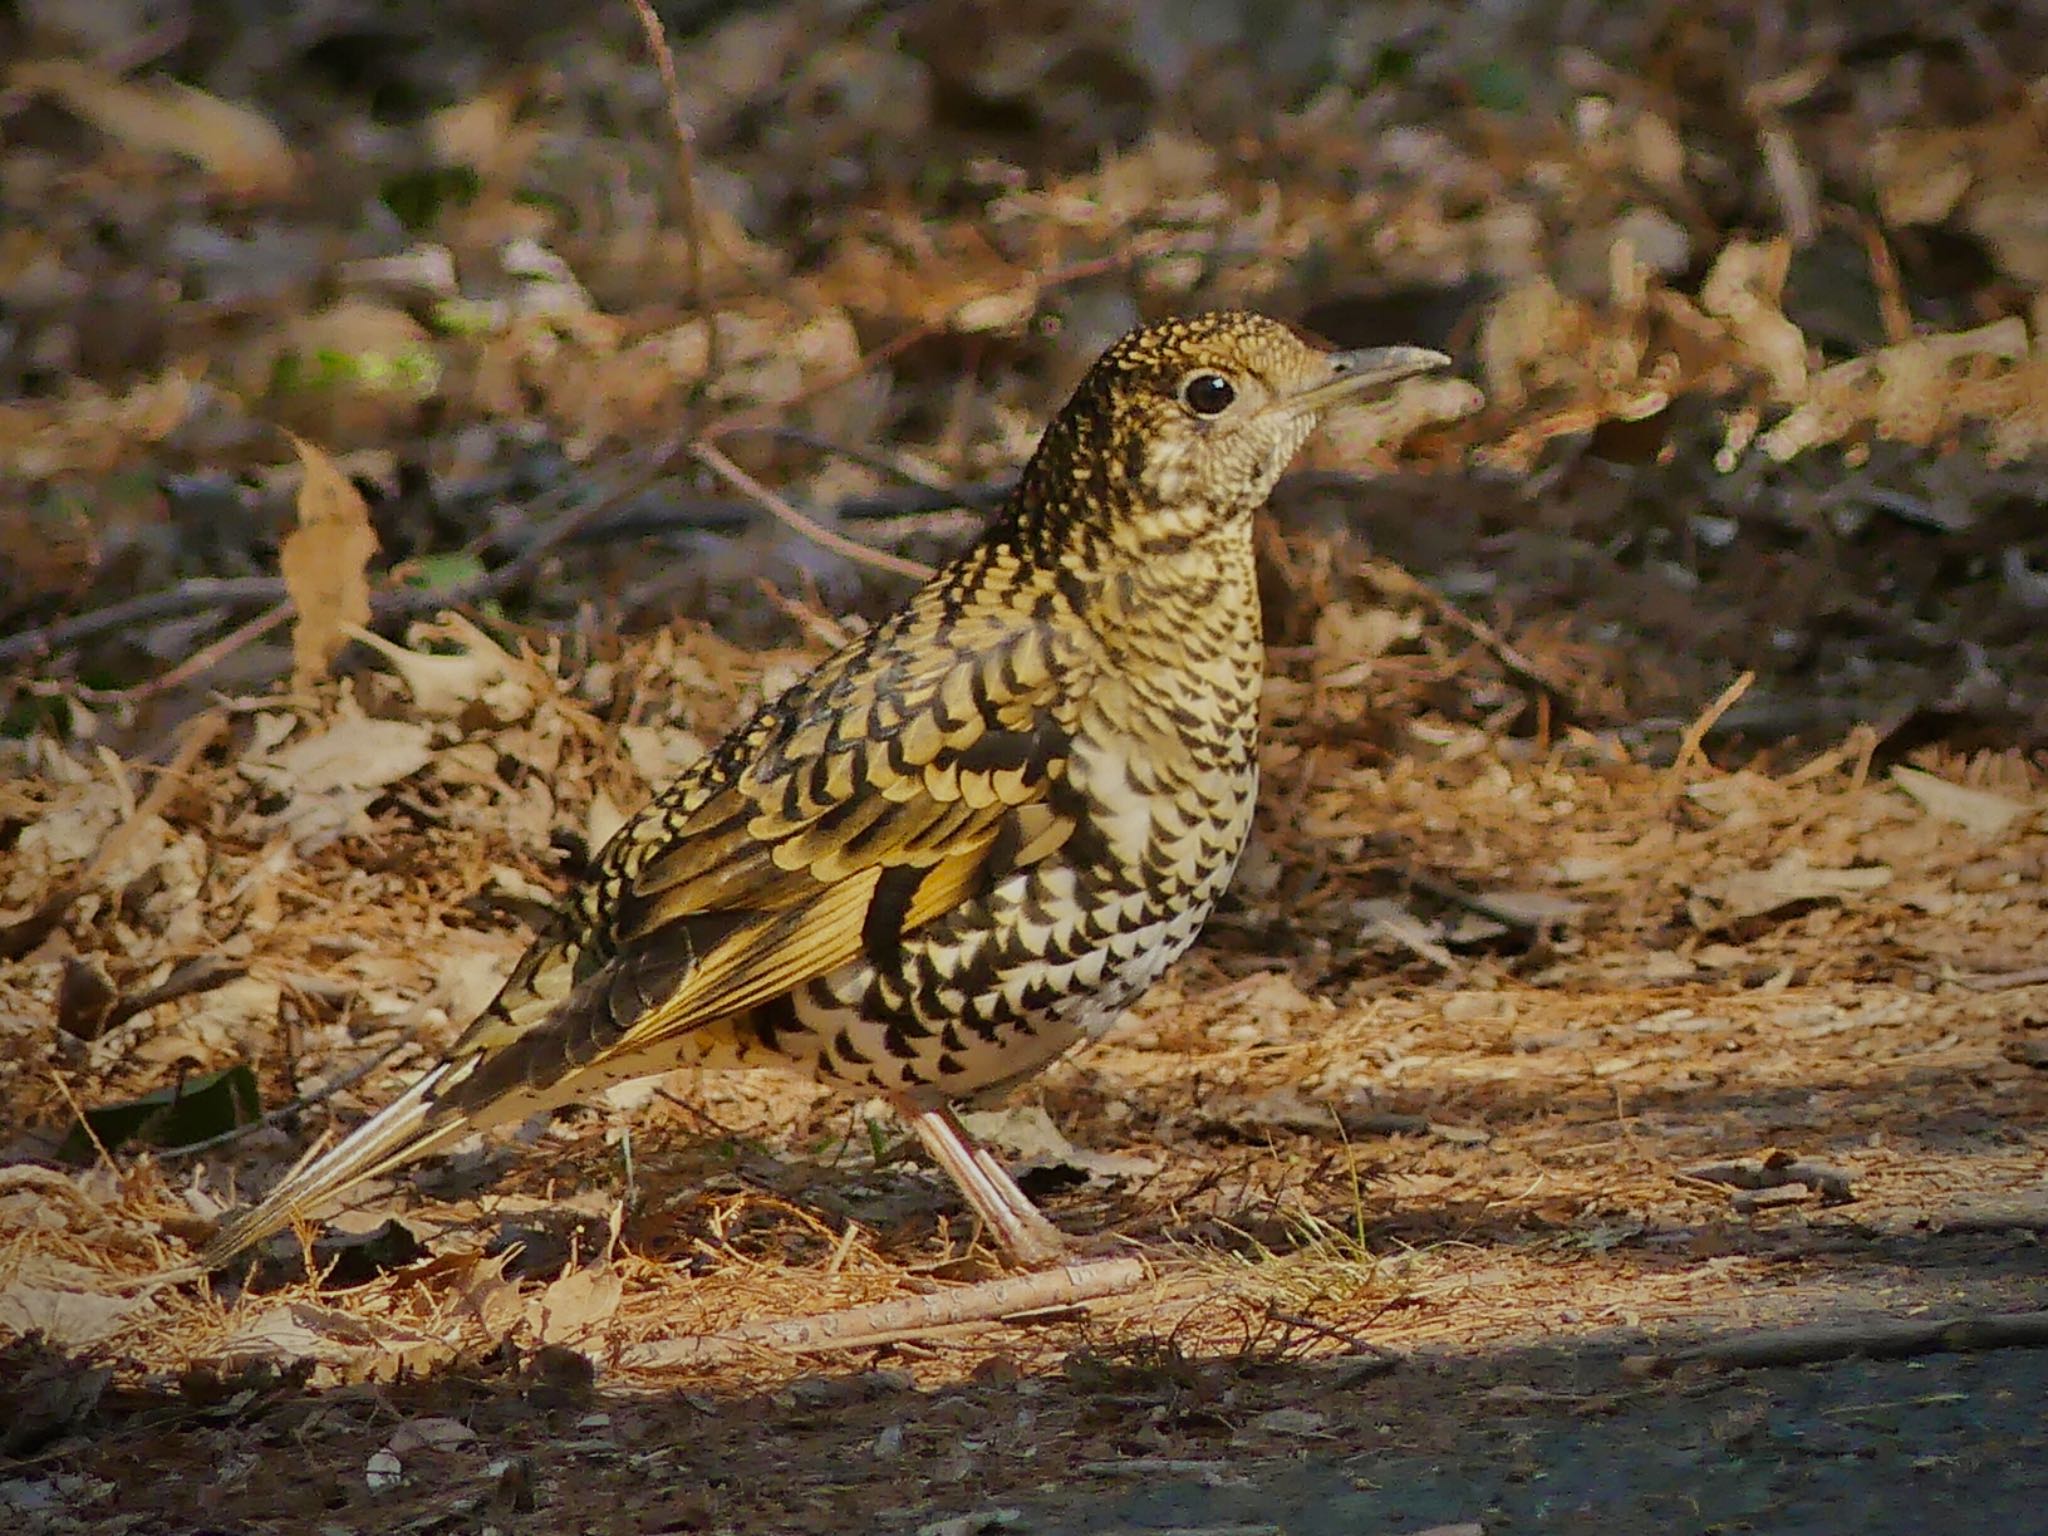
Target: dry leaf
{"points": [[1790, 881], [445, 685], [356, 753], [325, 562], [235, 143], [1978, 810], [1917, 390], [1745, 289], [431, 1434], [1921, 174], [68, 1319], [575, 1306], [350, 1347], [334, 775]]}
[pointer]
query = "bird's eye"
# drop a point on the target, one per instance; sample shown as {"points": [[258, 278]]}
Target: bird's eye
{"points": [[1208, 394]]}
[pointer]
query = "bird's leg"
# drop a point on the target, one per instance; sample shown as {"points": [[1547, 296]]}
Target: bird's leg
{"points": [[1024, 1233]]}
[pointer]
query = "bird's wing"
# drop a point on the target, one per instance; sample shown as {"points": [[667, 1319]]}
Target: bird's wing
{"points": [[889, 787]]}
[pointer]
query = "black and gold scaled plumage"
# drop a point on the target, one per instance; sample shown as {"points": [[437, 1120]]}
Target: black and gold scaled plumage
{"points": [[969, 839]]}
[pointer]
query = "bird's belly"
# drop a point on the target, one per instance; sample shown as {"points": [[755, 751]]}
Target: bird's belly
{"points": [[987, 1026], [1003, 985]]}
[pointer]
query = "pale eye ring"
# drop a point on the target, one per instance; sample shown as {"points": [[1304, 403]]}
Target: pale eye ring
{"points": [[1208, 394]]}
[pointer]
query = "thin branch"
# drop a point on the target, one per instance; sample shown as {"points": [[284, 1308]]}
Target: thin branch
{"points": [[708, 455], [686, 169], [1696, 733], [203, 974], [1397, 581], [189, 596], [907, 1317], [296, 1104], [1885, 1338], [890, 464], [598, 522]]}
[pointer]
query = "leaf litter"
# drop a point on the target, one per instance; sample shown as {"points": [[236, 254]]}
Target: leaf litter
{"points": [[1501, 986]]}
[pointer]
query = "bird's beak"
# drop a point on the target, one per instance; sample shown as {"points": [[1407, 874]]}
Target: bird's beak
{"points": [[1367, 371]]}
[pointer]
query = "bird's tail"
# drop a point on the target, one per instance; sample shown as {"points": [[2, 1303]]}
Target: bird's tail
{"points": [[419, 1121]]}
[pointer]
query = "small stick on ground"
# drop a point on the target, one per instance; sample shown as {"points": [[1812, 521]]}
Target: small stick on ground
{"points": [[1883, 1338], [1774, 1172], [810, 528], [1998, 981], [1696, 733], [1396, 581], [907, 1317]]}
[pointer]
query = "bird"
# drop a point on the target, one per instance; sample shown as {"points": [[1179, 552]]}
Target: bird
{"points": [[967, 840]]}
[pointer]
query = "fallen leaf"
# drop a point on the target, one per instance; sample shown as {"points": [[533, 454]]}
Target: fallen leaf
{"points": [[356, 753], [333, 775], [67, 1319], [1290, 1421], [1790, 881], [447, 684], [432, 1434], [978, 1523], [325, 563], [347, 1346], [575, 1306], [194, 1110], [1978, 810], [236, 144]]}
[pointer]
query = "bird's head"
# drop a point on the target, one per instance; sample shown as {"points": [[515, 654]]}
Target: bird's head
{"points": [[1183, 426]]}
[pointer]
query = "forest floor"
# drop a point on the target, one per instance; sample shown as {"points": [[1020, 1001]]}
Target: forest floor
{"points": [[1615, 1094]]}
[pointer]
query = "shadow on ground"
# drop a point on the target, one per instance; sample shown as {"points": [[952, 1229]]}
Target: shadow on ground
{"points": [[1126, 1434]]}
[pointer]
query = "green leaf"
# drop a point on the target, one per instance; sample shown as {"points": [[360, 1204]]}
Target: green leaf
{"points": [[1498, 85], [195, 1110], [437, 573], [418, 197]]}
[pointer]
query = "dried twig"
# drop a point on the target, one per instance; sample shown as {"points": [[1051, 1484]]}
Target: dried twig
{"points": [[1689, 744], [595, 522], [708, 454], [1998, 981], [1774, 1171], [1884, 1338], [893, 465], [190, 596], [907, 1317], [299, 1102], [1397, 582], [686, 168], [204, 974]]}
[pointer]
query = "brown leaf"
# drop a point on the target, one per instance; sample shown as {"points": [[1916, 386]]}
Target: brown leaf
{"points": [[347, 1347], [67, 1318], [1787, 883], [325, 564], [1976, 810], [575, 1306], [237, 144]]}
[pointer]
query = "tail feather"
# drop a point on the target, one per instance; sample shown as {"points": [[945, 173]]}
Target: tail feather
{"points": [[536, 1046], [411, 1126]]}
